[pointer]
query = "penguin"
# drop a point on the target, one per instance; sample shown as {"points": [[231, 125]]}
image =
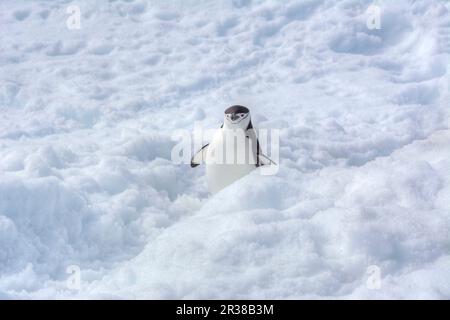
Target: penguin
{"points": [[233, 152]]}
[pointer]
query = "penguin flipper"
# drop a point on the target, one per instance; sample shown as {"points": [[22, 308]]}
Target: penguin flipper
{"points": [[264, 160], [199, 156]]}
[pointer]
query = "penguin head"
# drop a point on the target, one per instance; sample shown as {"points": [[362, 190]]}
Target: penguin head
{"points": [[237, 117]]}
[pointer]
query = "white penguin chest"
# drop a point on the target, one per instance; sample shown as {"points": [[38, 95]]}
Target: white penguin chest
{"points": [[231, 155]]}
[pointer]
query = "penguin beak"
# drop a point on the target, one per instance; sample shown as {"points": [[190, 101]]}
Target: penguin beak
{"points": [[234, 117]]}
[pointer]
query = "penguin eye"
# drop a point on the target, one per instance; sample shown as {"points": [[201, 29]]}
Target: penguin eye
{"points": [[241, 115]]}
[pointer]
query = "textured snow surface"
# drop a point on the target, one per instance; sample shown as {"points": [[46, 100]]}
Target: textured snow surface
{"points": [[86, 124]]}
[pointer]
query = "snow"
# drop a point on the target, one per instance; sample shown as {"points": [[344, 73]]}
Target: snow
{"points": [[87, 118]]}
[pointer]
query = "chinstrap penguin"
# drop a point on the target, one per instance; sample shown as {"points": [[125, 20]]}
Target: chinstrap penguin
{"points": [[233, 152]]}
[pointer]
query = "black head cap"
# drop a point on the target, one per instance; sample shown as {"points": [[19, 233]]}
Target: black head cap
{"points": [[236, 109]]}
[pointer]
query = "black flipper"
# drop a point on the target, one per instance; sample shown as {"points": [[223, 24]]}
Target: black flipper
{"points": [[199, 156], [261, 159]]}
